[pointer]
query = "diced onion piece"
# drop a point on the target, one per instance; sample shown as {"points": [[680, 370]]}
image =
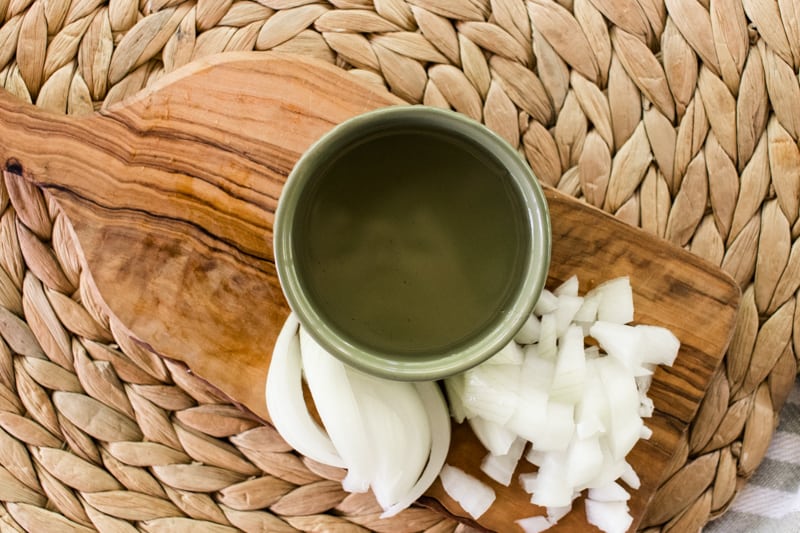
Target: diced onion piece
{"points": [[554, 514], [611, 517], [591, 352], [592, 412], [535, 457], [534, 524], [510, 354], [548, 337], [584, 461], [501, 467], [474, 496], [612, 492], [550, 488], [333, 396], [645, 433], [537, 372], [494, 437], [623, 406], [529, 332], [570, 371], [529, 420], [490, 391], [547, 303], [454, 386], [528, 480], [620, 342], [560, 427], [285, 402], [646, 406], [436, 409], [588, 310], [568, 306], [569, 287], [616, 301], [629, 476], [659, 346]]}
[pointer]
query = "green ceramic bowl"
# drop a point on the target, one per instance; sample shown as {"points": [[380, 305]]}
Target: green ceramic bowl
{"points": [[412, 242]]}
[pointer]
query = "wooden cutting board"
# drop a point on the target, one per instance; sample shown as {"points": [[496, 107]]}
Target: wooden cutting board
{"points": [[172, 196]]}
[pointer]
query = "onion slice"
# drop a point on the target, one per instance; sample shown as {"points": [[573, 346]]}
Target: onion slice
{"points": [[330, 387], [439, 422], [399, 431], [474, 496], [285, 402]]}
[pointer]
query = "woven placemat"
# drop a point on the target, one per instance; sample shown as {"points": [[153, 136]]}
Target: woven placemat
{"points": [[680, 117]]}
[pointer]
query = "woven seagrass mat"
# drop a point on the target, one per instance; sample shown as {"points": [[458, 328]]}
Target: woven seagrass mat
{"points": [[680, 117]]}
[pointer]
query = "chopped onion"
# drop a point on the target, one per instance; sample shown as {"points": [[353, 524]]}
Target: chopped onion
{"points": [[616, 300], [510, 354], [621, 342], [548, 336], [629, 476], [554, 514], [611, 517], [569, 287], [612, 492], [534, 524], [455, 394], [474, 496], [570, 370], [568, 307], [659, 346], [501, 467], [529, 332], [491, 391], [494, 437], [581, 407], [285, 402], [547, 303]]}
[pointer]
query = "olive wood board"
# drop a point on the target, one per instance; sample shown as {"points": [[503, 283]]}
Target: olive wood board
{"points": [[172, 196]]}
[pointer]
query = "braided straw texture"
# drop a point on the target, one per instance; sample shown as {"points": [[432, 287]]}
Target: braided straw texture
{"points": [[679, 117]]}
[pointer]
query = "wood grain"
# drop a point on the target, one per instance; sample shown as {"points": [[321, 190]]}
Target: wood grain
{"points": [[172, 197]]}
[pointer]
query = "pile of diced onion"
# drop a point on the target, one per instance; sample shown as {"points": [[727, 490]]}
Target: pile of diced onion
{"points": [[572, 408], [579, 404]]}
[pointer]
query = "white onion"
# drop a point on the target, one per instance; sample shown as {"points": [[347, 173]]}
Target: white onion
{"points": [[490, 391], [611, 517], [436, 409], [659, 345], [570, 370], [340, 413], [534, 524], [501, 467], [568, 307], [581, 407], [285, 402], [529, 332], [510, 354], [612, 492], [616, 300], [474, 496], [569, 287], [547, 303], [630, 477], [494, 437], [548, 336], [396, 423]]}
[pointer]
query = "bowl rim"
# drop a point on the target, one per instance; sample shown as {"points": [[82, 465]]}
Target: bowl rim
{"points": [[500, 332]]}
